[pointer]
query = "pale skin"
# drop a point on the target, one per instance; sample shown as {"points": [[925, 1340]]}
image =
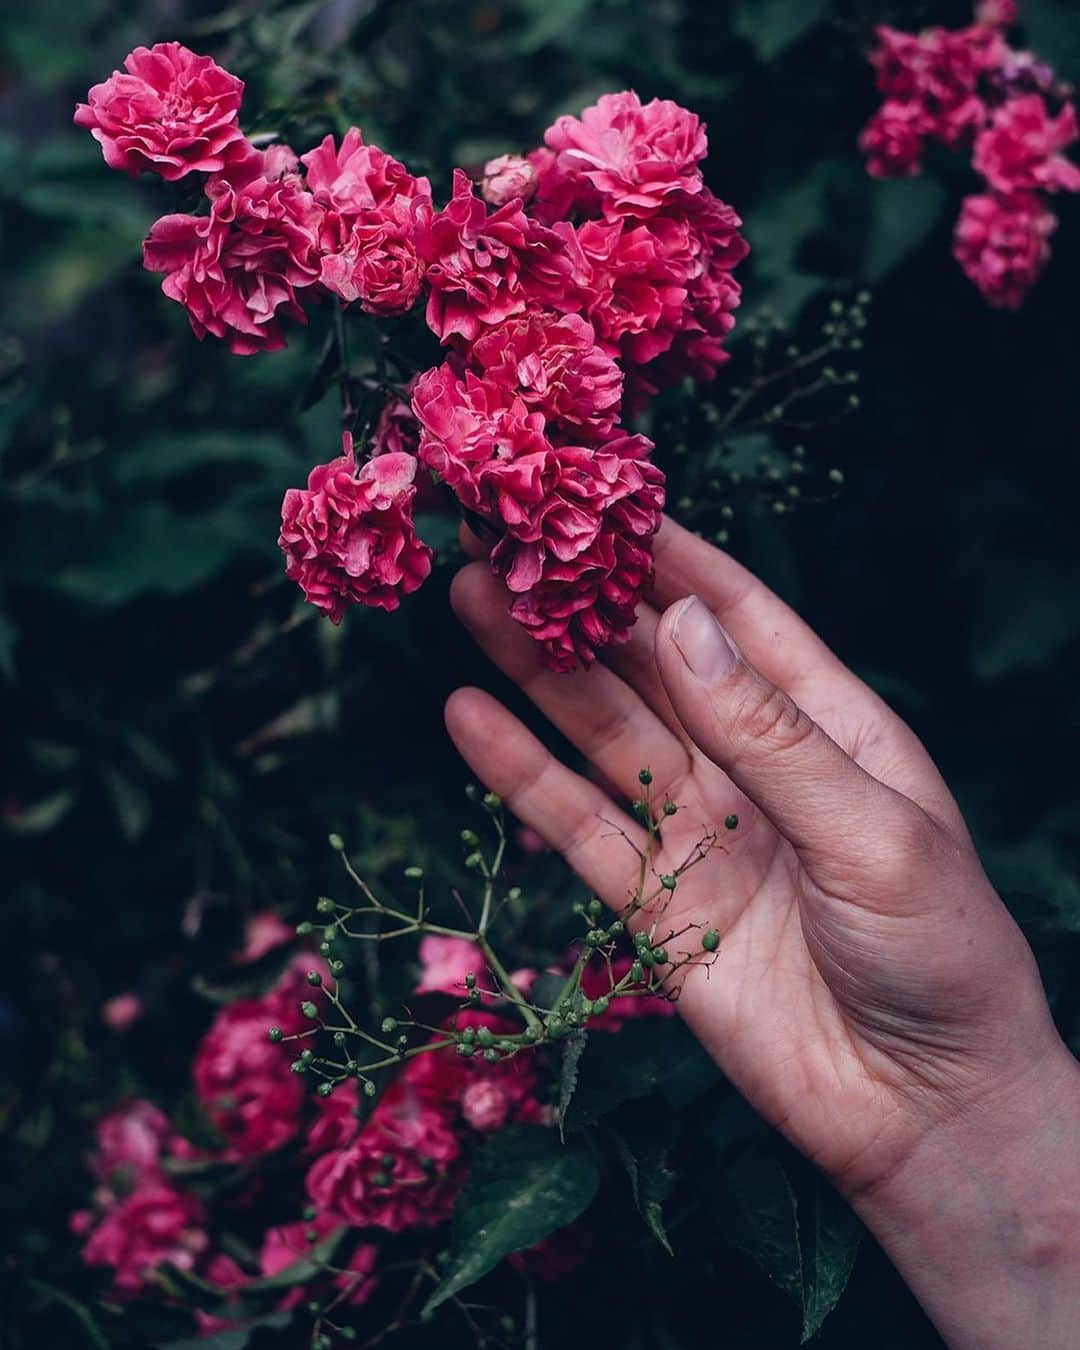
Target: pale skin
{"points": [[872, 997]]}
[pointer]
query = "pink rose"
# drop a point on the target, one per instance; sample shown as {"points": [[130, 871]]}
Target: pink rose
{"points": [[238, 269], [368, 242], [939, 71], [483, 268], [399, 1172], [445, 962], [892, 140], [507, 178], [485, 1105], [172, 113], [1022, 148], [469, 423], [555, 366], [336, 1122], [262, 933], [640, 158], [122, 1011], [1003, 244], [129, 1144], [998, 13], [153, 1225], [348, 537], [244, 1082], [289, 1243]]}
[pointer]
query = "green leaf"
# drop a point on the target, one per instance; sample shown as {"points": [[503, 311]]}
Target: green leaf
{"points": [[772, 26], [830, 1243], [235, 1338], [9, 635], [568, 1075], [160, 458], [523, 1185], [41, 816], [643, 1138], [645, 1055], [82, 1314], [550, 19], [803, 1236], [902, 214]]}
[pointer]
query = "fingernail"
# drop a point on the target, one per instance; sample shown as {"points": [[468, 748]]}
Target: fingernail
{"points": [[704, 645]]}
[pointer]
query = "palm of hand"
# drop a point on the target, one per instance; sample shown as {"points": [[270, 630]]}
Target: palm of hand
{"points": [[854, 970]]}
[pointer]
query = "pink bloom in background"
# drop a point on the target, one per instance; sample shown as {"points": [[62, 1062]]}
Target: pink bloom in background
{"points": [[122, 1011], [401, 1171], [893, 139], [445, 962], [153, 1225], [596, 981], [1003, 244], [336, 1123], [237, 271], [397, 430], [130, 1143], [262, 933], [1022, 148], [507, 178], [223, 1273], [168, 112], [639, 158], [287, 1244], [244, 1082], [369, 238], [998, 13], [485, 1105], [483, 268], [348, 538]]}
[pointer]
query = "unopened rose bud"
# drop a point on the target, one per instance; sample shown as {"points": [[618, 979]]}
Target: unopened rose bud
{"points": [[507, 177]]}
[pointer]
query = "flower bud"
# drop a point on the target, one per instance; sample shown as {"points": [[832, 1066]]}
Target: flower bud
{"points": [[507, 177]]}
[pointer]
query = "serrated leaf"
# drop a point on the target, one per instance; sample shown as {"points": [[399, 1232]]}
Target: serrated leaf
{"points": [[649, 1054], [772, 26], [767, 1222], [830, 1242], [568, 1075], [524, 1184], [643, 1138]]}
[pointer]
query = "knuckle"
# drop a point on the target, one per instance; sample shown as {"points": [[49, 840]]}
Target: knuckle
{"points": [[909, 845], [771, 721]]}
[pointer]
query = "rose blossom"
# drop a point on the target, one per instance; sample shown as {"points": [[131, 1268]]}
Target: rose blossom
{"points": [[122, 1011], [1003, 244], [129, 1144], [483, 268], [892, 140], [288, 1243], [508, 177], [336, 1122], [172, 113], [348, 537], [998, 13], [485, 1105], [400, 1171], [1022, 148], [939, 71], [238, 269], [467, 425], [640, 158], [368, 243], [153, 1225], [262, 933], [445, 962], [244, 1082], [555, 366]]}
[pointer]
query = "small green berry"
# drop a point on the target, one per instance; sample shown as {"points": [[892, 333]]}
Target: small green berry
{"points": [[325, 949], [389, 1025], [645, 777], [669, 882], [306, 1058], [601, 1006], [313, 977], [325, 905], [369, 1088], [339, 1039], [324, 1089], [710, 940], [337, 967], [617, 929], [660, 956], [491, 1056], [414, 873], [731, 822], [474, 861], [492, 801], [381, 1179], [309, 1010], [670, 808], [276, 1035], [595, 909], [470, 980], [336, 842], [305, 928], [637, 972]]}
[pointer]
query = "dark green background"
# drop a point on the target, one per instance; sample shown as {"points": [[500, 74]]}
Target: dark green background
{"points": [[172, 760]]}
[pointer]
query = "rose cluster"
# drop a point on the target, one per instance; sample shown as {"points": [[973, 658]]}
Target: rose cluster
{"points": [[584, 278], [397, 1167], [969, 89]]}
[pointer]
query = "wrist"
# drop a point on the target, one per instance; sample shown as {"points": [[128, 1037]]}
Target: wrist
{"points": [[982, 1216]]}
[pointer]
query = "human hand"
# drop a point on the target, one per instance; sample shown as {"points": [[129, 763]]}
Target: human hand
{"points": [[873, 998]]}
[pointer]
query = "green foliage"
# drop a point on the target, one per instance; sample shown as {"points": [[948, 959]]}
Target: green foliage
{"points": [[524, 1185]]}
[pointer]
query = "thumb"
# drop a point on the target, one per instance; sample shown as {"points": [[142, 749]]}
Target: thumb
{"points": [[838, 817]]}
